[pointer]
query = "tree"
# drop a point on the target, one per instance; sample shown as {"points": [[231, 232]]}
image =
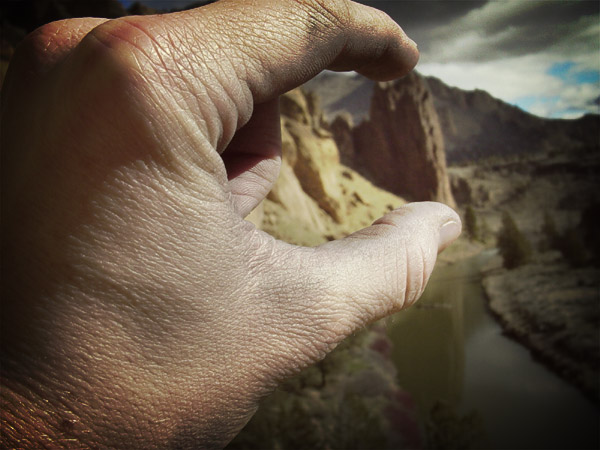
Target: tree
{"points": [[573, 248], [571, 243], [471, 226], [514, 247], [589, 231], [484, 230], [551, 237]]}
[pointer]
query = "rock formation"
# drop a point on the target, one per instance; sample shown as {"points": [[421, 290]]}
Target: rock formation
{"points": [[316, 198], [474, 124], [401, 146], [348, 93]]}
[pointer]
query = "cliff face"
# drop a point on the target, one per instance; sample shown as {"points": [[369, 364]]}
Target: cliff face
{"points": [[316, 197], [474, 124], [401, 146]]}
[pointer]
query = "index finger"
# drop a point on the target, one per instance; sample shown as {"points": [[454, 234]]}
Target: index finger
{"points": [[275, 45]]}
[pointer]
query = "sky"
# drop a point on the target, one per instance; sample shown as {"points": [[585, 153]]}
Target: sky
{"points": [[541, 55]]}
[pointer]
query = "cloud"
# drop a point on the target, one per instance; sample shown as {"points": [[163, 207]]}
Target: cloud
{"points": [[513, 49], [528, 81], [512, 28]]}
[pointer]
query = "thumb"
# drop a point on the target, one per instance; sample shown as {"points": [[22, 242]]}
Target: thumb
{"points": [[325, 294], [384, 268]]}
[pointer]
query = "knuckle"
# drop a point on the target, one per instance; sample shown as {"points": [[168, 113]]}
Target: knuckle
{"points": [[126, 43], [120, 33], [44, 34], [32, 49], [111, 60]]}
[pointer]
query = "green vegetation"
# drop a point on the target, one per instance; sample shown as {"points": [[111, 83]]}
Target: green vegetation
{"points": [[514, 247], [446, 429], [349, 400], [573, 242], [572, 248], [550, 235], [471, 225]]}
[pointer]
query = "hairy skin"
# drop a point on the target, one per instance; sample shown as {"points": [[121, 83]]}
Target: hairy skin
{"points": [[139, 309]]}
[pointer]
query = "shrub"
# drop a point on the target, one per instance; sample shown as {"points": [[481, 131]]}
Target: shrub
{"points": [[514, 247], [471, 226], [550, 235], [589, 230], [572, 247], [571, 243]]}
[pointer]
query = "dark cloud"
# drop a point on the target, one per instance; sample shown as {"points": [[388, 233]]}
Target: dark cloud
{"points": [[415, 14], [546, 14], [503, 28], [418, 18]]}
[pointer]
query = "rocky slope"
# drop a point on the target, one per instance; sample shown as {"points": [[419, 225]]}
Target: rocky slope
{"points": [[478, 126]]}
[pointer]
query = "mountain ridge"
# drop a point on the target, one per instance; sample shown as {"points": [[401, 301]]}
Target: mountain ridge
{"points": [[475, 125]]}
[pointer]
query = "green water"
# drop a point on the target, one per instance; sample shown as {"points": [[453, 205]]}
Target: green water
{"points": [[448, 347]]}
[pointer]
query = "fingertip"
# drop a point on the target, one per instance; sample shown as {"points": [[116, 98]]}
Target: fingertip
{"points": [[400, 55], [430, 217], [376, 46], [449, 224], [449, 232]]}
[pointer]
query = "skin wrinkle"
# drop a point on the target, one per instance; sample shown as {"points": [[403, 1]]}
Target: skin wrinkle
{"points": [[222, 54], [115, 33], [324, 15], [180, 68], [255, 183], [411, 277]]}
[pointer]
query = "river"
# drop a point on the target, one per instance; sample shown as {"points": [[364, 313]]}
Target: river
{"points": [[448, 347]]}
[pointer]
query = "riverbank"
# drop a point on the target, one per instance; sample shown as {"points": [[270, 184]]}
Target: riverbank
{"points": [[461, 249], [554, 311]]}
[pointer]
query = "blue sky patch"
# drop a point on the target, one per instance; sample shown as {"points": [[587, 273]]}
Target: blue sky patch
{"points": [[567, 72], [587, 76], [561, 70], [547, 106]]}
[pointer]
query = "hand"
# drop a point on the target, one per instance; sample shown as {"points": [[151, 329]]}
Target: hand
{"points": [[139, 308]]}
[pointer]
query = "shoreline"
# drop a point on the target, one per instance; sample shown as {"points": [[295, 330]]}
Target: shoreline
{"points": [[551, 310]]}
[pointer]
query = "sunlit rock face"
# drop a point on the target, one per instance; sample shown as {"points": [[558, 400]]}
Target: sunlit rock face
{"points": [[316, 197]]}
